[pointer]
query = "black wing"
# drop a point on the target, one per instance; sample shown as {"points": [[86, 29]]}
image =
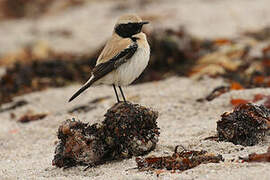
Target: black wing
{"points": [[103, 69]]}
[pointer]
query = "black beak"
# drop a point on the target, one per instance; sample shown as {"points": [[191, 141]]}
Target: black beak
{"points": [[144, 22]]}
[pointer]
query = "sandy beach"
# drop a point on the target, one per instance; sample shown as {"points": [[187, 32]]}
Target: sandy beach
{"points": [[27, 149]]}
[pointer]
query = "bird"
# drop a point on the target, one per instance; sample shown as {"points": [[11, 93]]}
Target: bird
{"points": [[124, 57]]}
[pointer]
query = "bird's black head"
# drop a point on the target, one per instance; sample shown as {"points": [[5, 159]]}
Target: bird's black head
{"points": [[129, 29]]}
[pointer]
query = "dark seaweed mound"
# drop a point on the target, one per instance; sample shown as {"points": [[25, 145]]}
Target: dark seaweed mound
{"points": [[127, 130], [246, 125]]}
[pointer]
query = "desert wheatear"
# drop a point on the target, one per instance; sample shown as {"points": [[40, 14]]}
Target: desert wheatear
{"points": [[124, 57]]}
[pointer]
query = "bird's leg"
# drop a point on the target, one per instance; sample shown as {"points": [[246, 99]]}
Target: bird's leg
{"points": [[116, 93], [122, 93]]}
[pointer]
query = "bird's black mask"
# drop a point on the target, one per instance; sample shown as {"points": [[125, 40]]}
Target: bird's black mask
{"points": [[129, 29]]}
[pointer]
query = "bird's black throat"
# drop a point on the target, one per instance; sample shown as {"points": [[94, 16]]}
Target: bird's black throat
{"points": [[129, 29]]}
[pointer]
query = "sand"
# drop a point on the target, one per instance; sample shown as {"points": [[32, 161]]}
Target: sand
{"points": [[27, 149]]}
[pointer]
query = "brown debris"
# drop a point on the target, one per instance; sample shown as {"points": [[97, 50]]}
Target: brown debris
{"points": [[12, 115], [178, 161], [217, 92], [221, 90], [262, 34], [174, 53], [246, 125], [254, 157], [236, 62], [127, 130], [258, 98], [264, 99], [14, 106], [237, 102], [267, 102], [31, 117], [38, 75], [236, 86]]}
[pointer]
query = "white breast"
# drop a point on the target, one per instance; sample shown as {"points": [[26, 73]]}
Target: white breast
{"points": [[132, 69], [129, 71]]}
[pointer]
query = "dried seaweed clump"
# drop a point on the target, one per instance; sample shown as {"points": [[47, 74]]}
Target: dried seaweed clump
{"points": [[254, 157], [178, 161], [246, 125], [38, 75], [127, 130]]}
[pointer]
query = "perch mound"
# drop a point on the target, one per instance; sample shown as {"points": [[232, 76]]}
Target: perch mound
{"points": [[127, 130]]}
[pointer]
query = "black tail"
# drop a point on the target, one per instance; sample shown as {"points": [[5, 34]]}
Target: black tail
{"points": [[87, 85]]}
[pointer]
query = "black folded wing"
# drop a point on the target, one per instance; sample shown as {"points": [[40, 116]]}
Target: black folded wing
{"points": [[103, 69]]}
